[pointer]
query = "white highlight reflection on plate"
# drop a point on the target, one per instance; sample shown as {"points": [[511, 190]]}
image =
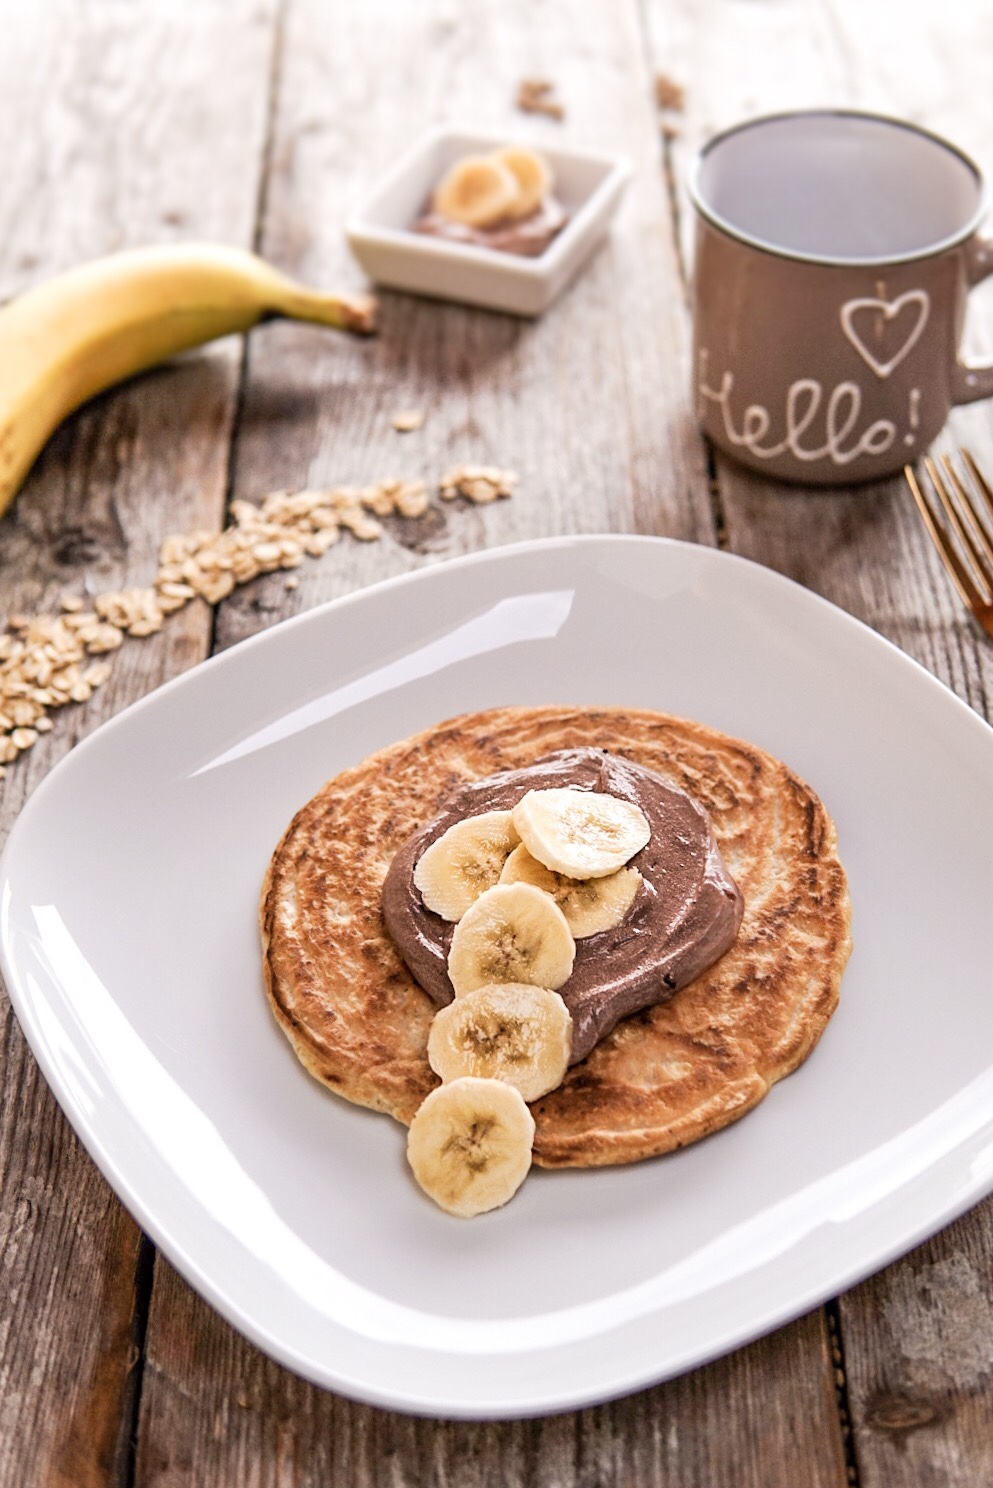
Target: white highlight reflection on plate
{"points": [[525, 617], [128, 904]]}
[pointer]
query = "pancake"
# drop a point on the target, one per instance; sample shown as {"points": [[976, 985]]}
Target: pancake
{"points": [[662, 1078]]}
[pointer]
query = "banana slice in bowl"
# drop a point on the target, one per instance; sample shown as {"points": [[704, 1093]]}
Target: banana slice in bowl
{"points": [[512, 933], [583, 834], [589, 904], [469, 1145], [478, 190], [533, 177], [509, 1031]]}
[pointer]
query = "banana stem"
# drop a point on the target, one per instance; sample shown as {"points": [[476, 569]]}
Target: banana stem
{"points": [[355, 313]]}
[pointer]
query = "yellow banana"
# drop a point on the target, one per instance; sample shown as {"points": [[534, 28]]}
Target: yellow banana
{"points": [[95, 325]]}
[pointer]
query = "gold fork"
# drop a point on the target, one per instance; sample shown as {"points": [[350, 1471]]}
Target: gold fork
{"points": [[962, 529]]}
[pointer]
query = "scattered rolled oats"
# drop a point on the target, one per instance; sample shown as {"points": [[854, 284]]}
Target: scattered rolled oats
{"points": [[411, 500], [479, 483], [318, 543], [364, 527], [135, 610], [104, 638], [45, 660], [407, 420]]}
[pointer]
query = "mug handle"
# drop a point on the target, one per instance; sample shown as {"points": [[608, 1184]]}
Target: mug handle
{"points": [[974, 380]]}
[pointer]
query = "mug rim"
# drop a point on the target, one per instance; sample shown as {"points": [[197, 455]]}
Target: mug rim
{"points": [[942, 245]]}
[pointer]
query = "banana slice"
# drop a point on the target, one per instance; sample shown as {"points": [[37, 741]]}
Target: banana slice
{"points": [[583, 834], [533, 176], [511, 933], [477, 190], [464, 861], [505, 1031], [469, 1145], [589, 904]]}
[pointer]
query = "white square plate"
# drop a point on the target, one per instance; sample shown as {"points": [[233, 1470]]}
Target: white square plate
{"points": [[129, 889], [381, 235]]}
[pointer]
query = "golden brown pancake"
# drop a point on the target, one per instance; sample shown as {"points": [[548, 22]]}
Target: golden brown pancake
{"points": [[662, 1078]]}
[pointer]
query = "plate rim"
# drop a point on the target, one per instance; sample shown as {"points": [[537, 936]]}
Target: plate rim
{"points": [[351, 1384]]}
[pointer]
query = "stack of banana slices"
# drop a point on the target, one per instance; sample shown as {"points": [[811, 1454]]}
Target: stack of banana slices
{"points": [[521, 887], [481, 190]]}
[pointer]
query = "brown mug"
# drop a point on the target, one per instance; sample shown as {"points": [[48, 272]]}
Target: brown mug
{"points": [[834, 255]]}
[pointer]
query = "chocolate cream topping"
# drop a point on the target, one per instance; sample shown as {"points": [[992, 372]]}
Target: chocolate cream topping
{"points": [[684, 917], [525, 236]]}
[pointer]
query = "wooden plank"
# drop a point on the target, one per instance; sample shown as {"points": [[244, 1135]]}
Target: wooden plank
{"points": [[919, 1350], [591, 406], [916, 1338], [97, 156], [217, 1411], [67, 1307]]}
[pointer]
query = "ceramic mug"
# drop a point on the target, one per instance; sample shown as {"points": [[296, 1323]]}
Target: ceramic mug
{"points": [[834, 255]]}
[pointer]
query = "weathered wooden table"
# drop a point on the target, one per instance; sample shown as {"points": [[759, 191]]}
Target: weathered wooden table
{"points": [[261, 122]]}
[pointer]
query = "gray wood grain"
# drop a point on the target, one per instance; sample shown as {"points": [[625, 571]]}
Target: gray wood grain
{"points": [[919, 1345], [587, 404], [217, 1411], [97, 156]]}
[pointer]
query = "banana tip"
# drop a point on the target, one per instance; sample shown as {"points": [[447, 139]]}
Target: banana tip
{"points": [[360, 314]]}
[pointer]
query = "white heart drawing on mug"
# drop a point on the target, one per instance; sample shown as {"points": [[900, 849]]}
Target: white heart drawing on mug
{"points": [[889, 309]]}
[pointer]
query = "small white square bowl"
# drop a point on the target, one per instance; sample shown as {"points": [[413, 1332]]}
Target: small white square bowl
{"points": [[382, 238]]}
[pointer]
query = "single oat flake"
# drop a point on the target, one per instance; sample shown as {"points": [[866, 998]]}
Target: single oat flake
{"points": [[537, 96], [668, 93]]}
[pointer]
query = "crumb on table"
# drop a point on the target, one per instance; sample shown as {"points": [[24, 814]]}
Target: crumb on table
{"points": [[537, 96], [669, 94], [407, 420]]}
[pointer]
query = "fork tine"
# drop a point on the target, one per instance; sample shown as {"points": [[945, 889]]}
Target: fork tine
{"points": [[943, 486], [968, 593], [980, 532], [982, 484]]}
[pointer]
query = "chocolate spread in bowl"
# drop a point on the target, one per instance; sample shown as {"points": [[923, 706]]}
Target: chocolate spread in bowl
{"points": [[684, 917], [525, 236]]}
